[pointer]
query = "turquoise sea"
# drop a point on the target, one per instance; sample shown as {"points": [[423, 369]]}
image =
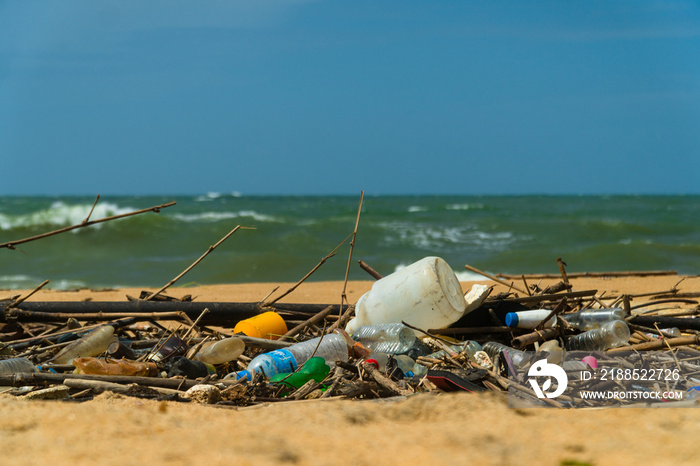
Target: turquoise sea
{"points": [[497, 234]]}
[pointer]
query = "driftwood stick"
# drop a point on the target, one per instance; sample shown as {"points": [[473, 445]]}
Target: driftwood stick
{"points": [[156, 209], [343, 296], [540, 335], [38, 378], [494, 278], [364, 266], [102, 386], [659, 344], [649, 273], [557, 310], [385, 381], [91, 209], [562, 269], [21, 300], [294, 287], [311, 321], [211, 248], [102, 316]]}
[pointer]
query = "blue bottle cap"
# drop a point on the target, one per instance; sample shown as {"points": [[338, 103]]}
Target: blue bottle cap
{"points": [[512, 319]]}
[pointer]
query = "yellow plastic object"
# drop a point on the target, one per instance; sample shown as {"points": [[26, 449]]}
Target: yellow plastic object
{"points": [[269, 325]]}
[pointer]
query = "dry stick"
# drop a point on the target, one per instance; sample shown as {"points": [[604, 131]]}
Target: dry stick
{"points": [[343, 296], [376, 275], [194, 324], [561, 265], [19, 301], [527, 288], [598, 274], [294, 287], [658, 344], [557, 310], [314, 319], [92, 209], [494, 278], [156, 209], [211, 248]]}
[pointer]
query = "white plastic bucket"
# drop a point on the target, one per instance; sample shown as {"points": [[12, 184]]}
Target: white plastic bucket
{"points": [[426, 294]]}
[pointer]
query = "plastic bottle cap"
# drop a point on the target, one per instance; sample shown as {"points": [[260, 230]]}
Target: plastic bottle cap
{"points": [[373, 361], [512, 319]]}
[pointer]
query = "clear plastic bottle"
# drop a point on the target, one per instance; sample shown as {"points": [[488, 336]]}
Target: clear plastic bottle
{"points": [[393, 338], [332, 347], [611, 335], [16, 366], [92, 344], [494, 349], [588, 319], [219, 352]]}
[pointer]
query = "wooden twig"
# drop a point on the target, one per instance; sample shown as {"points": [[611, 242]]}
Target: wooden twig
{"points": [[494, 278], [91, 210], [385, 381], [294, 287], [21, 300], [156, 209], [649, 273], [211, 248], [314, 319], [376, 275], [562, 269], [194, 324], [659, 344], [343, 296]]}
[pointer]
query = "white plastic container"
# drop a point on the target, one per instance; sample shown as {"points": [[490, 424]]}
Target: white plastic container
{"points": [[530, 319], [426, 294]]}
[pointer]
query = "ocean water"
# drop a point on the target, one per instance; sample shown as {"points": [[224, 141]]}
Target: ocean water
{"points": [[289, 235]]}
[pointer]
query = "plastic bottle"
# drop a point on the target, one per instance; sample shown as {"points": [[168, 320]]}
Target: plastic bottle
{"points": [[332, 347], [16, 366], [530, 319], [426, 294], [392, 338], [219, 352], [114, 367], [589, 319], [611, 335], [494, 349], [269, 325], [315, 368], [92, 344]]}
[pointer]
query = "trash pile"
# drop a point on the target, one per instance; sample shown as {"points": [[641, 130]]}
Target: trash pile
{"points": [[414, 332]]}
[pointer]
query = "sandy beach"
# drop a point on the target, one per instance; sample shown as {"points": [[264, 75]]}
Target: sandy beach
{"points": [[448, 428]]}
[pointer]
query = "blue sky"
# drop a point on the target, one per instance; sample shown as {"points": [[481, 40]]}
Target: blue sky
{"points": [[334, 97]]}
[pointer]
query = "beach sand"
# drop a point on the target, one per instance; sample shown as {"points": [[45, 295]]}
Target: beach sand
{"points": [[443, 428]]}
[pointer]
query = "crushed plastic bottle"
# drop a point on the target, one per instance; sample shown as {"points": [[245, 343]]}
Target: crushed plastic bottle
{"points": [[222, 351], [114, 367], [16, 365], [92, 344], [394, 338], [330, 347]]}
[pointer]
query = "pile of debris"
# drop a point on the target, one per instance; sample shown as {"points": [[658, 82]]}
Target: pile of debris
{"points": [[242, 354]]}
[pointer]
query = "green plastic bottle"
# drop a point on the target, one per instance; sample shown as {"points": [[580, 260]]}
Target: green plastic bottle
{"points": [[315, 368]]}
